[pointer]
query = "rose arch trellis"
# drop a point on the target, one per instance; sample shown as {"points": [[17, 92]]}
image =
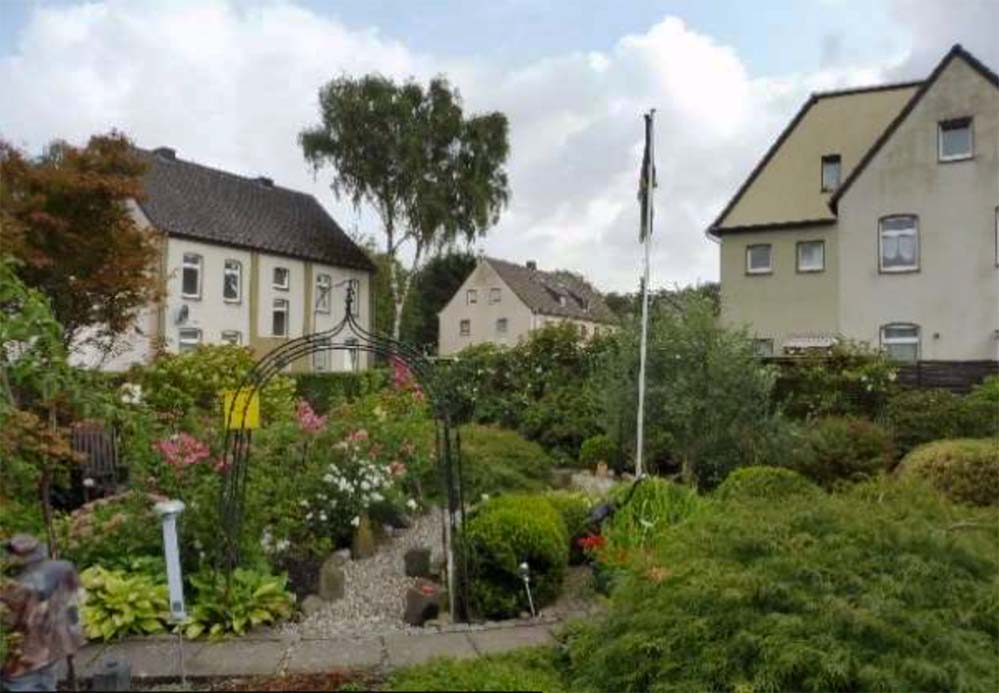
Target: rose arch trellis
{"points": [[349, 335]]}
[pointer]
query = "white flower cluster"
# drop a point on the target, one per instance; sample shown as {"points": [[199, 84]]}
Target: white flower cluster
{"points": [[270, 546], [366, 483]]}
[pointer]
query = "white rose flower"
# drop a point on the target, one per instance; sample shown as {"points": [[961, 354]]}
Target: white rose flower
{"points": [[328, 478], [356, 521], [411, 504]]}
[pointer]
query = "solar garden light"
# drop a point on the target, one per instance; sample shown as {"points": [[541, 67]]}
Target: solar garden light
{"points": [[525, 575], [168, 511]]}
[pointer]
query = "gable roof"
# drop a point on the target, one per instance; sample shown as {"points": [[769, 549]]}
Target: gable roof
{"points": [[814, 135], [206, 204], [957, 51], [541, 292]]}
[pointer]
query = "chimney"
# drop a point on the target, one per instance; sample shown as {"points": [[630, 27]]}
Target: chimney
{"points": [[265, 181], [532, 265], [168, 153]]}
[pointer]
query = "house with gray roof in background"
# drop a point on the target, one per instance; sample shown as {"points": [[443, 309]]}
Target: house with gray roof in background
{"points": [[242, 261], [502, 302]]}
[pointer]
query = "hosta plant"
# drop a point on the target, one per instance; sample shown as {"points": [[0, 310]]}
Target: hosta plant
{"points": [[119, 603], [251, 598]]}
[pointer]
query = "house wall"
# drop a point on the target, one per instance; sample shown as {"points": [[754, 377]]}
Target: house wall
{"points": [[954, 295], [482, 315], [786, 302]]}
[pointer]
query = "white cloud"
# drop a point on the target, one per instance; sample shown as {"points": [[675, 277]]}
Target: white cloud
{"points": [[231, 86]]}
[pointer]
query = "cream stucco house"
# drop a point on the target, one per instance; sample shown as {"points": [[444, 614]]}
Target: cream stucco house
{"points": [[243, 261], [501, 302], [873, 217]]}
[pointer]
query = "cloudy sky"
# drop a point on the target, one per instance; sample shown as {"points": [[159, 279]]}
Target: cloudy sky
{"points": [[230, 83]]}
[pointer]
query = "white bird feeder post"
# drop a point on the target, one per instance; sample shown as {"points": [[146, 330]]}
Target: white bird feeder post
{"points": [[168, 511]]}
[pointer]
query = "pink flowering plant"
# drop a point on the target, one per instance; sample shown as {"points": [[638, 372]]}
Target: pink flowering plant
{"points": [[308, 420], [182, 450]]}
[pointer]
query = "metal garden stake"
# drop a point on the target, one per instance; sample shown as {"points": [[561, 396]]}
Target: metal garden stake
{"points": [[525, 575]]}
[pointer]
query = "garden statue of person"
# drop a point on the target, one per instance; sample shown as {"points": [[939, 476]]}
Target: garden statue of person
{"points": [[42, 615]]}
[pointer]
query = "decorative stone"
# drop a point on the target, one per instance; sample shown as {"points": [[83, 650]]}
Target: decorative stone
{"points": [[562, 478], [417, 562], [364, 543], [422, 603], [343, 555], [332, 579], [312, 604], [601, 471]]}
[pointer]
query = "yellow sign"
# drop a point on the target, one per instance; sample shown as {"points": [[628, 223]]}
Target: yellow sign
{"points": [[240, 410]]}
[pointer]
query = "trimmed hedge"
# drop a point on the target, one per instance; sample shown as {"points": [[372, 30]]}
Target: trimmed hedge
{"points": [[764, 483], [843, 449], [919, 416], [966, 470], [574, 509], [505, 532], [496, 460], [323, 391]]}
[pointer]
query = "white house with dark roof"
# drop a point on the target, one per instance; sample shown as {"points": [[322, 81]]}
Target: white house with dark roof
{"points": [[243, 261], [501, 302]]}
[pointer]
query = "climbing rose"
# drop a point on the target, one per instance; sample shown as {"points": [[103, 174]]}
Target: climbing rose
{"points": [[308, 420], [181, 450]]}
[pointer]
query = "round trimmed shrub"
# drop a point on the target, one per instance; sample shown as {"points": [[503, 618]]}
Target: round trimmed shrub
{"points": [[574, 509], [844, 449], [504, 533], [966, 470], [597, 449], [764, 483]]}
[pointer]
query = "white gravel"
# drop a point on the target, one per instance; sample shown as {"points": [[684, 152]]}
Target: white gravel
{"points": [[375, 594]]}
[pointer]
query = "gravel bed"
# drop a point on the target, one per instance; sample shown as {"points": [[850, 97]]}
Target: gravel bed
{"points": [[375, 593]]}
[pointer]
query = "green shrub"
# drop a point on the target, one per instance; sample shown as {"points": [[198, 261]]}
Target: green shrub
{"points": [[980, 410], [822, 592], [843, 449], [112, 531], [764, 483], [532, 669], [597, 449], [919, 416], [655, 505], [252, 599], [120, 603], [326, 390], [574, 509], [505, 532], [562, 418], [495, 461], [966, 470]]}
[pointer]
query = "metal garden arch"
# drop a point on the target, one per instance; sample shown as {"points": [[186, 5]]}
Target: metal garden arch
{"points": [[349, 335]]}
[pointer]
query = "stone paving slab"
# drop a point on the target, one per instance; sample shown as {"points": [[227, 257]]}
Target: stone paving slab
{"points": [[405, 650], [149, 659], [310, 656], [237, 658], [501, 640]]}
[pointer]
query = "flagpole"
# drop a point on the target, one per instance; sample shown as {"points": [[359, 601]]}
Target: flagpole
{"points": [[647, 223]]}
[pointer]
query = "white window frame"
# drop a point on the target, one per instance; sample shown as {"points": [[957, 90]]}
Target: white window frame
{"points": [[190, 341], [896, 232], [287, 278], [887, 342], [232, 267], [769, 269], [324, 293], [809, 270], [831, 159], [281, 305], [502, 326], [464, 328], [233, 337], [955, 124], [191, 261], [471, 297], [495, 295], [321, 358]]}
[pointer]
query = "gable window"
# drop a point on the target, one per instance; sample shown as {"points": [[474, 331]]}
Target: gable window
{"points": [[465, 328], [898, 239], [190, 281], [232, 276], [901, 341], [759, 259], [955, 140], [830, 172], [471, 296], [279, 318], [324, 286], [494, 295], [188, 339], [234, 337], [282, 278], [763, 348], [501, 326], [811, 256]]}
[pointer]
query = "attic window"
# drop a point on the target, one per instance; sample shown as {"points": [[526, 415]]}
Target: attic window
{"points": [[955, 140], [830, 172]]}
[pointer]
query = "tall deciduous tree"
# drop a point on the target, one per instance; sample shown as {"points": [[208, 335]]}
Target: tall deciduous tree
{"points": [[433, 176], [65, 216]]}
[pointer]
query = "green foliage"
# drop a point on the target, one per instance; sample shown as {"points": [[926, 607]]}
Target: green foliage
{"points": [[495, 460], [819, 592], [176, 384], [532, 669], [433, 286], [840, 448], [654, 506], [980, 410], [251, 599], [919, 416], [597, 449], [120, 603], [966, 470], [501, 535], [574, 509], [112, 531], [764, 483], [325, 391], [850, 379]]}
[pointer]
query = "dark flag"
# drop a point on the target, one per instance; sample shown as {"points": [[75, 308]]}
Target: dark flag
{"points": [[647, 181]]}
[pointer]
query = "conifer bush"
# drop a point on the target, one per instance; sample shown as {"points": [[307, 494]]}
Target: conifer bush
{"points": [[966, 470], [764, 483]]}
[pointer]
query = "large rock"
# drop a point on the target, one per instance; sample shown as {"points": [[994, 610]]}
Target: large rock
{"points": [[364, 544], [423, 603], [417, 562], [332, 579], [312, 604]]}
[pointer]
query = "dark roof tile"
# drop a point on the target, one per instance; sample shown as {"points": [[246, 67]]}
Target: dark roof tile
{"points": [[541, 292]]}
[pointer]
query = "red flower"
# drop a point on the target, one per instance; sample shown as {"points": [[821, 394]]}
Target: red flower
{"points": [[591, 542]]}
